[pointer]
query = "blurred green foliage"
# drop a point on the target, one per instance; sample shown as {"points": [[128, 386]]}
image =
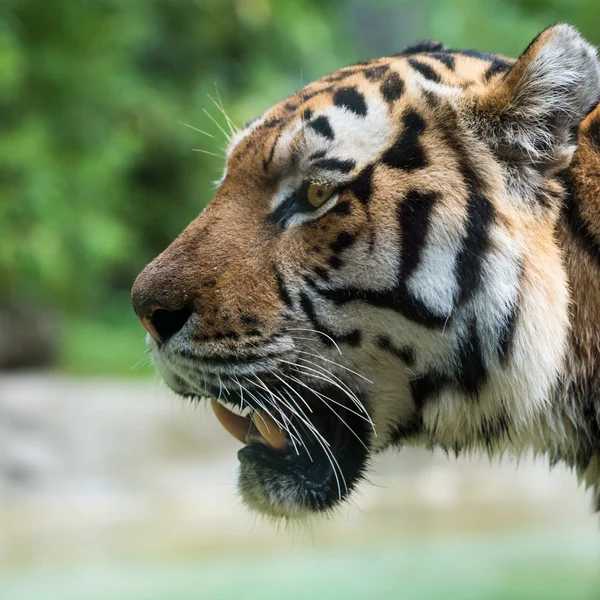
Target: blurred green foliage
{"points": [[97, 172]]}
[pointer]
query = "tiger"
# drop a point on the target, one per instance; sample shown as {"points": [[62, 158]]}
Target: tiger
{"points": [[405, 252]]}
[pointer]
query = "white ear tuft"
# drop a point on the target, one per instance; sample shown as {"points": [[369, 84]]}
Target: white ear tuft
{"points": [[533, 112]]}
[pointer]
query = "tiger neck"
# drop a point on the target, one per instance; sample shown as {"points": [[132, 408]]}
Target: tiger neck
{"points": [[579, 235], [578, 400]]}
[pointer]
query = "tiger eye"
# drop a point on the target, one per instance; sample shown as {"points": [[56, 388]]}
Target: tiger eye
{"points": [[318, 194]]}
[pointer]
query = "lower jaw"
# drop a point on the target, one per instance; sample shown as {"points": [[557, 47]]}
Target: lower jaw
{"points": [[286, 486]]}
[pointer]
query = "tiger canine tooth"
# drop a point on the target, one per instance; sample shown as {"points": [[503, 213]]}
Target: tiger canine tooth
{"points": [[270, 431], [237, 426]]}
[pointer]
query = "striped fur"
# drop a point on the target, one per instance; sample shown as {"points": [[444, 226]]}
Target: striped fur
{"points": [[455, 267]]}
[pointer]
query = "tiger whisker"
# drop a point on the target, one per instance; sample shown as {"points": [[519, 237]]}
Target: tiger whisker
{"points": [[326, 400], [322, 442], [232, 127], [359, 415], [320, 333], [208, 152], [330, 378], [285, 418], [210, 135], [316, 354], [227, 136]]}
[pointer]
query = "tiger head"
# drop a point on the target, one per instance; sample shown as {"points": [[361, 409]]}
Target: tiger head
{"points": [[379, 267]]}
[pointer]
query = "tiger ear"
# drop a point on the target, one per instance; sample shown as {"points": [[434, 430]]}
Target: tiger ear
{"points": [[532, 113]]}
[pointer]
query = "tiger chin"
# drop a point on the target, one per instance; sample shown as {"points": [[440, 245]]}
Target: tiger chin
{"points": [[404, 252]]}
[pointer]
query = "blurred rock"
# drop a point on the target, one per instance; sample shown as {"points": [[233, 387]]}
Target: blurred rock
{"points": [[29, 337]]}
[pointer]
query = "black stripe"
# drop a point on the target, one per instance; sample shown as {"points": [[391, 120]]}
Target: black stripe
{"points": [[335, 164], [480, 215], [342, 208], [392, 87], [427, 385], [414, 217], [248, 319], [469, 260], [351, 99], [475, 54], [420, 47], [506, 335], [579, 229], [361, 185], [407, 152], [404, 353], [353, 338], [408, 429], [282, 290], [446, 59], [498, 66], [267, 161], [396, 299], [342, 241], [471, 373], [376, 73], [322, 126], [425, 70]]}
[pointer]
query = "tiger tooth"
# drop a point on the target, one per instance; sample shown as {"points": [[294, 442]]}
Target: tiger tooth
{"points": [[269, 430], [237, 426]]}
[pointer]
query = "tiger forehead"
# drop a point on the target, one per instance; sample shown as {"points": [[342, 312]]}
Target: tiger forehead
{"points": [[384, 78]]}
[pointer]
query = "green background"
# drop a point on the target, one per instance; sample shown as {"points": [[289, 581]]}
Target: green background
{"points": [[97, 172]]}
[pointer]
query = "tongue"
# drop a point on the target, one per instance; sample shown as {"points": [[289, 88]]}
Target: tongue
{"points": [[239, 427]]}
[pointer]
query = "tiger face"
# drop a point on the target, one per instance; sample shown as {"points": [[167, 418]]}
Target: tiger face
{"points": [[379, 267]]}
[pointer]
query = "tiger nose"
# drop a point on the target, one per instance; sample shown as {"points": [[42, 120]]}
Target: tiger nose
{"points": [[162, 323], [162, 314]]}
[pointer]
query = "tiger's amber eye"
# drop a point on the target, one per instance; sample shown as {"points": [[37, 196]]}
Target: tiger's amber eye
{"points": [[318, 194]]}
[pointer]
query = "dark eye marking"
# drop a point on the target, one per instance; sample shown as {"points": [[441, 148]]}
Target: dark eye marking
{"points": [[294, 203], [322, 126], [351, 99], [392, 87], [361, 186], [407, 152], [424, 69], [342, 208]]}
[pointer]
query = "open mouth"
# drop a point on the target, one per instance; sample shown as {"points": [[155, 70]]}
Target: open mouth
{"points": [[300, 456]]}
